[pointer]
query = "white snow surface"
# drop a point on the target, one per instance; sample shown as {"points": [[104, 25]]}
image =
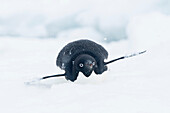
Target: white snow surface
{"points": [[135, 85]]}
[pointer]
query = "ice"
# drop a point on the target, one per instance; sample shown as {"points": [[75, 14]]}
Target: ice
{"points": [[149, 30], [70, 52], [63, 66], [134, 85], [107, 18]]}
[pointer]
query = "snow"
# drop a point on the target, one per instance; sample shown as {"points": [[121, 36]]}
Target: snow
{"points": [[138, 84], [107, 18], [149, 29], [135, 85]]}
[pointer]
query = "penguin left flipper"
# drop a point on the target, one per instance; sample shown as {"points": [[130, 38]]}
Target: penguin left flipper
{"points": [[72, 77], [100, 67], [70, 74]]}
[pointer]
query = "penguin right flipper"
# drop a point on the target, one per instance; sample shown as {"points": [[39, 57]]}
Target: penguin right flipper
{"points": [[71, 74]]}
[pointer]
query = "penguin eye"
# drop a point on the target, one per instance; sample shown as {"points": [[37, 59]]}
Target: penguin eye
{"points": [[93, 63], [81, 65]]}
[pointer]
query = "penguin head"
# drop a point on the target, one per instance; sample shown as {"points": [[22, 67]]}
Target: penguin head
{"points": [[85, 64]]}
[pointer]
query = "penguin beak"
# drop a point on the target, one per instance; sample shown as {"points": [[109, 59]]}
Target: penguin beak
{"points": [[87, 73], [88, 70]]}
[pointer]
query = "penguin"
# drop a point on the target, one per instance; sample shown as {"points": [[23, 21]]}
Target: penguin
{"points": [[82, 56]]}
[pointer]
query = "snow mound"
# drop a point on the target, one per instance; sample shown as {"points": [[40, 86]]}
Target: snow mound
{"points": [[37, 18], [149, 30]]}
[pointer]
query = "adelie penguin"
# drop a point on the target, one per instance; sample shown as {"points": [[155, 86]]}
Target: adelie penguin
{"points": [[83, 56]]}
